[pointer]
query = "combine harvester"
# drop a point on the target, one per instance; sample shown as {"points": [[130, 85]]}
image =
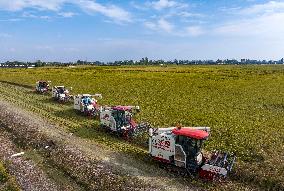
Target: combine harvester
{"points": [[42, 86], [119, 119], [87, 104], [182, 147], [61, 94]]}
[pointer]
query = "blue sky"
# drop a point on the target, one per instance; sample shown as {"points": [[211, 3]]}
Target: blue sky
{"points": [[68, 30]]}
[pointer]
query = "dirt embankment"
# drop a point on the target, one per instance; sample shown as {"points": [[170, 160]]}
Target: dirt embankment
{"points": [[28, 175], [88, 164]]}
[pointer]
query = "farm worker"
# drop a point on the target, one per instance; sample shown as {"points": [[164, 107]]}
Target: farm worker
{"points": [[61, 90], [41, 85], [94, 102], [86, 100]]}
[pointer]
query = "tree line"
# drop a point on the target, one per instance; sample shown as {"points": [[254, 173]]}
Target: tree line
{"points": [[143, 61]]}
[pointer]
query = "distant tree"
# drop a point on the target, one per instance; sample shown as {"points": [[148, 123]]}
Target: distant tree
{"points": [[39, 63]]}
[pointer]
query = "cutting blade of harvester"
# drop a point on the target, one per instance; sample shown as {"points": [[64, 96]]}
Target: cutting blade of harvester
{"points": [[218, 166]]}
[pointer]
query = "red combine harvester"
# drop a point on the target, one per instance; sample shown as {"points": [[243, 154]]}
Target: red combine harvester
{"points": [[181, 147]]}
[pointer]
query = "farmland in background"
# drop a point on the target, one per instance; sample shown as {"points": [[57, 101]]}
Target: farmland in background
{"points": [[243, 105]]}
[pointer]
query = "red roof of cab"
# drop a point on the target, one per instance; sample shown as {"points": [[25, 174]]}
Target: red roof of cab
{"points": [[122, 108], [192, 133]]}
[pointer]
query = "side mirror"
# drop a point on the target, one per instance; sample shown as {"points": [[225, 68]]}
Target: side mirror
{"points": [[150, 132], [137, 108]]}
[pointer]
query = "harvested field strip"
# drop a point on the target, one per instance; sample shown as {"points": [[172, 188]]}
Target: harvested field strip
{"points": [[60, 178]]}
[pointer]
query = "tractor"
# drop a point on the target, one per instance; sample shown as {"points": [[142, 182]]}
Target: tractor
{"points": [[119, 119], [181, 147], [61, 94], [87, 104], [42, 86]]}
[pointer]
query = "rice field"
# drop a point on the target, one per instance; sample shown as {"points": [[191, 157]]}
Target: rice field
{"points": [[243, 105]]}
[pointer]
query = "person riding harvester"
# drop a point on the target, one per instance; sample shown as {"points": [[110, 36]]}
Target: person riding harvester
{"points": [[87, 104], [61, 94], [87, 101]]}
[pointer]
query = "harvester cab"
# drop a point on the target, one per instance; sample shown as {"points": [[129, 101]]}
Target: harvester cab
{"points": [[120, 119], [42, 86], [182, 147], [87, 104], [60, 93]]}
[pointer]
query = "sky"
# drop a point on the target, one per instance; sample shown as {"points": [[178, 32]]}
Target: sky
{"points": [[71, 30]]}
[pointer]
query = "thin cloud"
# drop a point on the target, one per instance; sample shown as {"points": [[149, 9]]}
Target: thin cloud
{"points": [[17, 5], [140, 7], [30, 15], [187, 14], [163, 4], [266, 8], [160, 25], [67, 14], [194, 31], [111, 11], [266, 26], [164, 26], [256, 21]]}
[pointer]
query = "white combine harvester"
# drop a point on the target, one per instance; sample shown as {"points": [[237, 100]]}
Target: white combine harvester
{"points": [[87, 104], [182, 147], [42, 86], [119, 119], [61, 94]]}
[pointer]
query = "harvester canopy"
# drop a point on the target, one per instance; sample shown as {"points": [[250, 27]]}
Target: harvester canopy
{"points": [[191, 133]]}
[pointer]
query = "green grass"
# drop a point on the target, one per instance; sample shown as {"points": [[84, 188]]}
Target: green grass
{"points": [[243, 105]]}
